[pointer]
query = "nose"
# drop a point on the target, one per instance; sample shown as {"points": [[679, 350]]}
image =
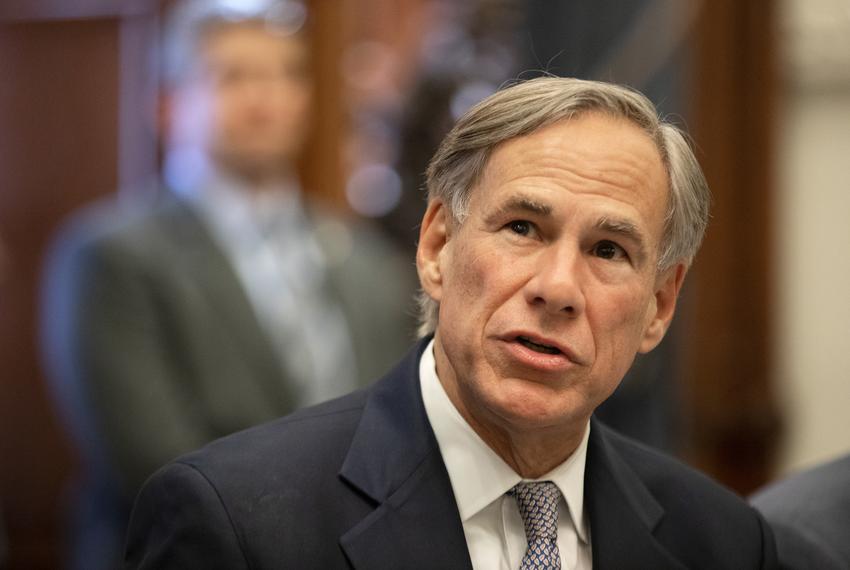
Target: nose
{"points": [[556, 285]]}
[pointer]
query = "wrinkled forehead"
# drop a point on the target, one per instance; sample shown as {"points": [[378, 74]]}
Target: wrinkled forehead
{"points": [[612, 136]]}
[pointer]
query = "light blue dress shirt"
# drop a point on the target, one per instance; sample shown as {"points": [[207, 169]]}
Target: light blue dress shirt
{"points": [[270, 242]]}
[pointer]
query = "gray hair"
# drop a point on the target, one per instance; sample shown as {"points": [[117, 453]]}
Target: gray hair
{"points": [[189, 20], [528, 106]]}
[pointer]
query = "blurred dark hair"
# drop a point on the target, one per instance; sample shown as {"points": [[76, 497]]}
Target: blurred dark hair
{"points": [[189, 21]]}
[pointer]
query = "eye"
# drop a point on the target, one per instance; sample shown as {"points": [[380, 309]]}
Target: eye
{"points": [[519, 227], [609, 250]]}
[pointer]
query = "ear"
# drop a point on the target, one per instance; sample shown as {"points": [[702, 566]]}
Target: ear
{"points": [[433, 237], [667, 286]]}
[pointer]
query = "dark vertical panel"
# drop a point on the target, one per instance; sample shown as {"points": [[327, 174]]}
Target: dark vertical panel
{"points": [[322, 166], [58, 119], [734, 415]]}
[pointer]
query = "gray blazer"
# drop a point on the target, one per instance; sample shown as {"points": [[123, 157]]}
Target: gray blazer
{"points": [[155, 350], [810, 516]]}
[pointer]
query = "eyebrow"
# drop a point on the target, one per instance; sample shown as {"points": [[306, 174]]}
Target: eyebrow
{"points": [[520, 204], [626, 229]]}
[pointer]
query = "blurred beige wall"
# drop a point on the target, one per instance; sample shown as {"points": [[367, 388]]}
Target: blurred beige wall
{"points": [[813, 230]]}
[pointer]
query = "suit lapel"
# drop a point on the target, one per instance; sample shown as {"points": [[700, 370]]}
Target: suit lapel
{"points": [[217, 282], [394, 459], [623, 513]]}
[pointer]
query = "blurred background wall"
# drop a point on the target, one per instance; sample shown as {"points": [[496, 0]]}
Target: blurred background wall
{"points": [[757, 370], [813, 190]]}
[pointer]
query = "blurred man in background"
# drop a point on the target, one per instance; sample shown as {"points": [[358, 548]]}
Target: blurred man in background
{"points": [[227, 301], [810, 516]]}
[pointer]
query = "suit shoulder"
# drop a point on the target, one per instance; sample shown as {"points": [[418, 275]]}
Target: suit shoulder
{"points": [[701, 516], [351, 243], [273, 490], [661, 471], [300, 446], [114, 226], [808, 493], [179, 518], [810, 514]]}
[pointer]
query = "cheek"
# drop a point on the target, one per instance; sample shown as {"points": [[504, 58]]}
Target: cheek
{"points": [[475, 285], [287, 105], [482, 279], [225, 113], [461, 288], [620, 331], [295, 103]]}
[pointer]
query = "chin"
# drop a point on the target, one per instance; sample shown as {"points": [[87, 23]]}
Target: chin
{"points": [[532, 406], [530, 422], [256, 166]]}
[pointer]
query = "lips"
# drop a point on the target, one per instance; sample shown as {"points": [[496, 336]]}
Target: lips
{"points": [[538, 351], [537, 346]]}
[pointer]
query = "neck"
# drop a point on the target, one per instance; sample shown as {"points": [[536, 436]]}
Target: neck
{"points": [[532, 456], [258, 180]]}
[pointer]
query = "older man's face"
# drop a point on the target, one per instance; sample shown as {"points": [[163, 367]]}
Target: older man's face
{"points": [[549, 288]]}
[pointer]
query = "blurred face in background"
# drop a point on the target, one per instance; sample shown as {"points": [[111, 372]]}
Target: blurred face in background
{"points": [[246, 101]]}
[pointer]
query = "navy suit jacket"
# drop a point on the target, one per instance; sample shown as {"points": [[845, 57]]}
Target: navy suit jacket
{"points": [[359, 483]]}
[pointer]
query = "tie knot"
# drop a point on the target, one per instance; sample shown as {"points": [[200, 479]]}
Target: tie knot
{"points": [[538, 507]]}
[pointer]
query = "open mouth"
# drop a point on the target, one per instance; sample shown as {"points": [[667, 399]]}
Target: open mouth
{"points": [[537, 347]]}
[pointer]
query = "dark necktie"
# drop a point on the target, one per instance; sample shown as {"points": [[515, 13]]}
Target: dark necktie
{"points": [[538, 506]]}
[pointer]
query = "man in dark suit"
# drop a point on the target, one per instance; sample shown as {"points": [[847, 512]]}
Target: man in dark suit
{"points": [[227, 301], [809, 513], [561, 221]]}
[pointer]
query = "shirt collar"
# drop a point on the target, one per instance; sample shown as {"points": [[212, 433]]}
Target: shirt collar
{"points": [[235, 210], [478, 475]]}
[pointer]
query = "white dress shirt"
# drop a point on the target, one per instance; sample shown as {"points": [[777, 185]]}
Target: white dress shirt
{"points": [[493, 527]]}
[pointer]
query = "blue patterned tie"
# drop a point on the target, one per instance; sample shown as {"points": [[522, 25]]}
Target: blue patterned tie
{"points": [[538, 506]]}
